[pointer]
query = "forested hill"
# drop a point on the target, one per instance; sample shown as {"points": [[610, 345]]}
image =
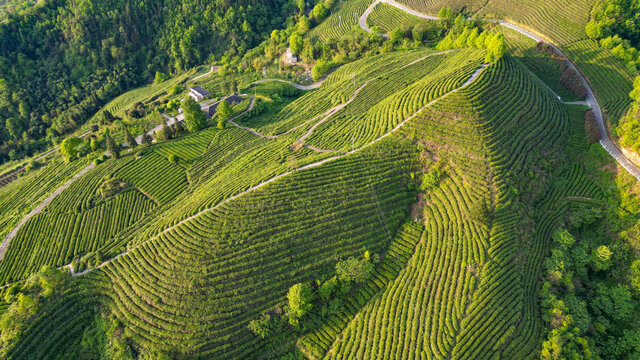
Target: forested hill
{"points": [[62, 60]]}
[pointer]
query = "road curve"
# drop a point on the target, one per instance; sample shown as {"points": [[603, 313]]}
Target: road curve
{"points": [[591, 101]]}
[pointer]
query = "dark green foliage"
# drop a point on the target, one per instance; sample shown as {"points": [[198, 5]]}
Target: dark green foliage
{"points": [[164, 133], [131, 141], [177, 128], [25, 304], [112, 147], [479, 212], [61, 61], [262, 326], [146, 138]]}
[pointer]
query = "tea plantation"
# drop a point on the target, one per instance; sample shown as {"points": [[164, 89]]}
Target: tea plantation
{"points": [[419, 201]]}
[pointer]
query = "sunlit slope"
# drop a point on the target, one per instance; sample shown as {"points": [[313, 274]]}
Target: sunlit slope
{"points": [[469, 291], [559, 20]]}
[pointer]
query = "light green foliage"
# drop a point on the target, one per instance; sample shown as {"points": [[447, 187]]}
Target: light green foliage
{"points": [[445, 14], [300, 297], [304, 25], [432, 177], [69, 148], [319, 69], [175, 89], [319, 12], [617, 24], [634, 275], [159, 78], [296, 43], [223, 111], [470, 37], [601, 258], [629, 129], [354, 270], [193, 116]]}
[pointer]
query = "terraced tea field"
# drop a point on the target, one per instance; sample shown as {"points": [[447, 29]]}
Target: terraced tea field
{"points": [[389, 18], [562, 22], [448, 174]]}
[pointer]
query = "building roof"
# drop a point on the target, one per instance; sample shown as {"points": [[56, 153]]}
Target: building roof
{"points": [[199, 90], [235, 98]]}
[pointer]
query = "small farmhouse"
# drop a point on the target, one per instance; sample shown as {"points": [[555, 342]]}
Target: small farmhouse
{"points": [[198, 93], [210, 109]]}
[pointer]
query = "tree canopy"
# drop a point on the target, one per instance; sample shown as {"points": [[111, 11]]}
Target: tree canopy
{"points": [[193, 115], [69, 148]]}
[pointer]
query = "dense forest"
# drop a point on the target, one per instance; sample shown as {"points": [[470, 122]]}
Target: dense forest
{"points": [[61, 60]]}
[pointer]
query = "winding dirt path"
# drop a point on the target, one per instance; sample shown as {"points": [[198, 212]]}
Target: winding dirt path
{"points": [[203, 75], [309, 166], [5, 243], [332, 111], [591, 100]]}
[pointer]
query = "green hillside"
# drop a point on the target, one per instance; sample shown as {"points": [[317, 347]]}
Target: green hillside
{"points": [[427, 189]]}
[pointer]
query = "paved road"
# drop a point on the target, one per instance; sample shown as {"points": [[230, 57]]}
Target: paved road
{"points": [[591, 101]]}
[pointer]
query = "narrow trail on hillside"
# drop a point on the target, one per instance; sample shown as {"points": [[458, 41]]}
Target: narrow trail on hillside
{"points": [[211, 70], [309, 166], [591, 100], [331, 112], [5, 243], [327, 114]]}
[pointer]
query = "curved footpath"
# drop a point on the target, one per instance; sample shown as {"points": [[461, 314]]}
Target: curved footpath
{"points": [[305, 167], [5, 243], [591, 101]]}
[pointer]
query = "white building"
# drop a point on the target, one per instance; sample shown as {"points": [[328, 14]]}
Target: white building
{"points": [[198, 93]]}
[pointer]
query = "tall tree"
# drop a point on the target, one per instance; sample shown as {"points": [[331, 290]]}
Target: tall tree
{"points": [[193, 115], [112, 146], [131, 141], [166, 131], [69, 148], [300, 298], [146, 138], [224, 110]]}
